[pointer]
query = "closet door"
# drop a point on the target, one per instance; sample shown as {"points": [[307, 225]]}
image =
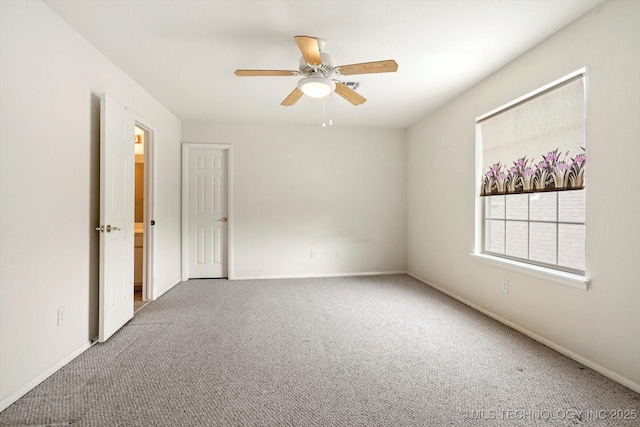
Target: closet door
{"points": [[207, 213]]}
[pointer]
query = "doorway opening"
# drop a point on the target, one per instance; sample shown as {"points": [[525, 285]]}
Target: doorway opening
{"points": [[142, 231]]}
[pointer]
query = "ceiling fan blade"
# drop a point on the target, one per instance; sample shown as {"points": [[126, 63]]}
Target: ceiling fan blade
{"points": [[252, 73], [292, 98], [349, 94], [309, 48], [388, 66]]}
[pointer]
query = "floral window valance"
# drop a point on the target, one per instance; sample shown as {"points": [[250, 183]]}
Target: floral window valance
{"points": [[537, 143]]}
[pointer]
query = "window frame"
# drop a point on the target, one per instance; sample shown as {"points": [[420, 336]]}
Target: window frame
{"points": [[557, 223], [563, 275]]}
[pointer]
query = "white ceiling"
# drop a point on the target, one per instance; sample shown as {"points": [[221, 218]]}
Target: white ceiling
{"points": [[184, 52]]}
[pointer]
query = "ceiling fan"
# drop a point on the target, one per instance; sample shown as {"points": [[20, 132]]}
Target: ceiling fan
{"points": [[318, 67]]}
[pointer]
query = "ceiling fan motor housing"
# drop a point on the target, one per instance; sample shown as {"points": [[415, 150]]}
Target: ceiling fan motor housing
{"points": [[325, 68]]}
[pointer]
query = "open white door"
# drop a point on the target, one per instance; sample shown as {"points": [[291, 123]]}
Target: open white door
{"points": [[116, 216]]}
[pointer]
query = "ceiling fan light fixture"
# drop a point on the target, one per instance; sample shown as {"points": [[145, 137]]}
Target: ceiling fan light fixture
{"points": [[316, 87]]}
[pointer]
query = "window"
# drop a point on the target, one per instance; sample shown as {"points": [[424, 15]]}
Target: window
{"points": [[543, 228], [532, 187]]}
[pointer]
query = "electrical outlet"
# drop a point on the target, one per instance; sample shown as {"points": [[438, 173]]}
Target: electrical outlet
{"points": [[505, 286], [313, 255], [62, 315], [338, 254]]}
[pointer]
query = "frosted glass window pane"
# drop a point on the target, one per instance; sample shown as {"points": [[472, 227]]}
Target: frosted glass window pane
{"points": [[517, 206], [494, 236], [495, 206], [543, 206], [571, 246], [571, 206], [517, 239], [542, 242]]}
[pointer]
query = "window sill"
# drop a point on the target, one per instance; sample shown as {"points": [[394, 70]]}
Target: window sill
{"points": [[564, 278]]}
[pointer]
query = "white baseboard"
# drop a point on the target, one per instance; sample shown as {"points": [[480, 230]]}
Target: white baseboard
{"points": [[315, 275], [570, 354], [167, 288], [13, 397]]}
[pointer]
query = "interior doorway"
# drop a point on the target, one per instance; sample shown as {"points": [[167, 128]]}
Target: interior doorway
{"points": [[142, 230]]}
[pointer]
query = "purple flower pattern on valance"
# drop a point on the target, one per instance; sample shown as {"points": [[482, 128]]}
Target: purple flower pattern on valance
{"points": [[551, 173]]}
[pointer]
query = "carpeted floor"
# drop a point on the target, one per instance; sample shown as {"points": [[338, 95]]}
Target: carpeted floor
{"points": [[358, 351]]}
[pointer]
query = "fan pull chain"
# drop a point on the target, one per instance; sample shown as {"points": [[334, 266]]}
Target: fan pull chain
{"points": [[324, 111], [324, 119]]}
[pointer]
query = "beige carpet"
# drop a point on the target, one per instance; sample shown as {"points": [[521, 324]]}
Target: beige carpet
{"points": [[360, 351]]}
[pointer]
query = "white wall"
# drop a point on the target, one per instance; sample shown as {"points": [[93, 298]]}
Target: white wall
{"points": [[602, 324], [299, 189], [50, 84]]}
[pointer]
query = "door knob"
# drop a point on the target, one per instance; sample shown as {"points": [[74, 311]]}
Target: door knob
{"points": [[224, 219], [108, 228]]}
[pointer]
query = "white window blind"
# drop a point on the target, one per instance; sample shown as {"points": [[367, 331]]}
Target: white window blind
{"points": [[536, 144]]}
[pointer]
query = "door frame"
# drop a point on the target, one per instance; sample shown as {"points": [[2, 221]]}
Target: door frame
{"points": [[186, 151], [149, 207]]}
